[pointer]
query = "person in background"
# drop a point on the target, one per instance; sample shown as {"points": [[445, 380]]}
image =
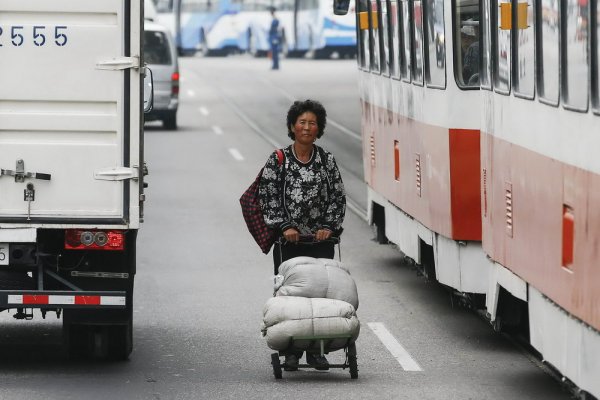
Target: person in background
{"points": [[274, 39], [303, 195]]}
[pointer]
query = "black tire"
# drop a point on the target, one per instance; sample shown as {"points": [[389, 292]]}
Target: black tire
{"points": [[75, 338], [120, 341], [295, 53], [276, 366], [170, 121], [322, 54], [352, 363]]}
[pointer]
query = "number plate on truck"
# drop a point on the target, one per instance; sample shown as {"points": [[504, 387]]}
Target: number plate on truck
{"points": [[3, 253]]}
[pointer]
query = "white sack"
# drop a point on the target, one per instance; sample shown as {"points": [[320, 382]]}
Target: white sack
{"points": [[317, 278], [286, 317]]}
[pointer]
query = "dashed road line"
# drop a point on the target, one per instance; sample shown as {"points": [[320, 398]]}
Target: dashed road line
{"points": [[204, 111], [394, 347], [191, 93], [217, 130], [236, 154]]}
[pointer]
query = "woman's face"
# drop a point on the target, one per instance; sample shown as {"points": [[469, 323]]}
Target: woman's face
{"points": [[306, 128]]}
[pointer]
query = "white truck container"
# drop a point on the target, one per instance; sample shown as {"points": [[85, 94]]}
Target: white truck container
{"points": [[71, 166]]}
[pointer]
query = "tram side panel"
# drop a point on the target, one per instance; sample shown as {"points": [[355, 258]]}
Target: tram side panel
{"points": [[529, 202]]}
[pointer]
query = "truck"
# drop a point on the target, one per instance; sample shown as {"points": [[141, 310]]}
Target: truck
{"points": [[72, 167]]}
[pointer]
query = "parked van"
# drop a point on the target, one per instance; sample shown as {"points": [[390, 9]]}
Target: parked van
{"points": [[161, 56]]}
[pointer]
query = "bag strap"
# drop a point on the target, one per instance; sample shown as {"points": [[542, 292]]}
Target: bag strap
{"points": [[324, 165], [280, 156]]}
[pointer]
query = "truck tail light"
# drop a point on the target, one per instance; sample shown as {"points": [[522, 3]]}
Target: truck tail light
{"points": [[175, 83], [79, 239]]}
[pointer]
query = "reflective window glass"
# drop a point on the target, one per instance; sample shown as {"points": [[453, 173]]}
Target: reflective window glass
{"points": [[385, 38], [406, 60], [485, 72], [157, 50], [395, 51], [374, 24], [363, 34], [575, 60], [548, 50], [503, 50], [436, 46], [418, 41], [525, 51], [596, 53], [199, 5], [164, 6], [467, 48]]}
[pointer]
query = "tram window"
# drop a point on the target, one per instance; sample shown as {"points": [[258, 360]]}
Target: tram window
{"points": [[548, 30], [436, 47], [374, 28], [418, 42], [395, 47], [596, 56], [467, 43], [525, 50], [575, 60], [502, 56], [406, 60], [384, 39], [362, 25], [485, 72]]}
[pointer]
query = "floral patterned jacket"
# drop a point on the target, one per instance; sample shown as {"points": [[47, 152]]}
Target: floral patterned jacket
{"points": [[313, 193]]}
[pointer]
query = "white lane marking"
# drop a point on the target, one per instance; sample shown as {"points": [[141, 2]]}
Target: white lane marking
{"points": [[217, 130], [191, 93], [236, 154], [203, 110], [394, 347]]}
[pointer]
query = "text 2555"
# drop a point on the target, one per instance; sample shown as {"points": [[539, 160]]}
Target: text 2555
{"points": [[38, 35]]}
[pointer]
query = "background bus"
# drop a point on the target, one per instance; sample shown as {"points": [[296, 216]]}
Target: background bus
{"points": [[207, 26], [166, 13], [254, 22], [318, 30]]}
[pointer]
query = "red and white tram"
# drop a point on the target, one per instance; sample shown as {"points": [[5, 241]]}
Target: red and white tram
{"points": [[481, 143]]}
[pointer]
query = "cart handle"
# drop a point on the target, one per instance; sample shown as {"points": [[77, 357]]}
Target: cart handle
{"points": [[310, 239]]}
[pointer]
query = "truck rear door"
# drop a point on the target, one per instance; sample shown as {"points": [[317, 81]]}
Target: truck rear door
{"points": [[68, 131]]}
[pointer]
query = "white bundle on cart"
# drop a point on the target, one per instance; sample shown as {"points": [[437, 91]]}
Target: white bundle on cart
{"points": [[287, 319], [316, 278]]}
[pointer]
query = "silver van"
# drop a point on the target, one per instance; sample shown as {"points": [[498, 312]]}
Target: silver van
{"points": [[161, 56]]}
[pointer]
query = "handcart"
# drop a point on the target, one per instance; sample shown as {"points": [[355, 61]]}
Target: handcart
{"points": [[349, 362], [320, 345]]}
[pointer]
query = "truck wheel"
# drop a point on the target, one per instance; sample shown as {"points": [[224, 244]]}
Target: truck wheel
{"points": [[170, 121], [76, 338], [120, 341]]}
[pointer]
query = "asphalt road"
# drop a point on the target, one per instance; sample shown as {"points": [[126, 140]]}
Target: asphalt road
{"points": [[202, 282]]}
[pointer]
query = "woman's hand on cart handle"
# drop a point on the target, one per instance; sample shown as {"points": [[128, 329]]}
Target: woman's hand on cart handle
{"points": [[323, 234], [291, 235]]}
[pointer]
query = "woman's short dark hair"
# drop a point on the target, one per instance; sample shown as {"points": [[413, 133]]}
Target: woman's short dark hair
{"points": [[299, 108]]}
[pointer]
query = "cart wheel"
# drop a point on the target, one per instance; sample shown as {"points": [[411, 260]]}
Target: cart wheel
{"points": [[276, 365], [352, 361]]}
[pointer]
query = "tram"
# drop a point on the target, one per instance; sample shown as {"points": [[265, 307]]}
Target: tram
{"points": [[481, 131]]}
